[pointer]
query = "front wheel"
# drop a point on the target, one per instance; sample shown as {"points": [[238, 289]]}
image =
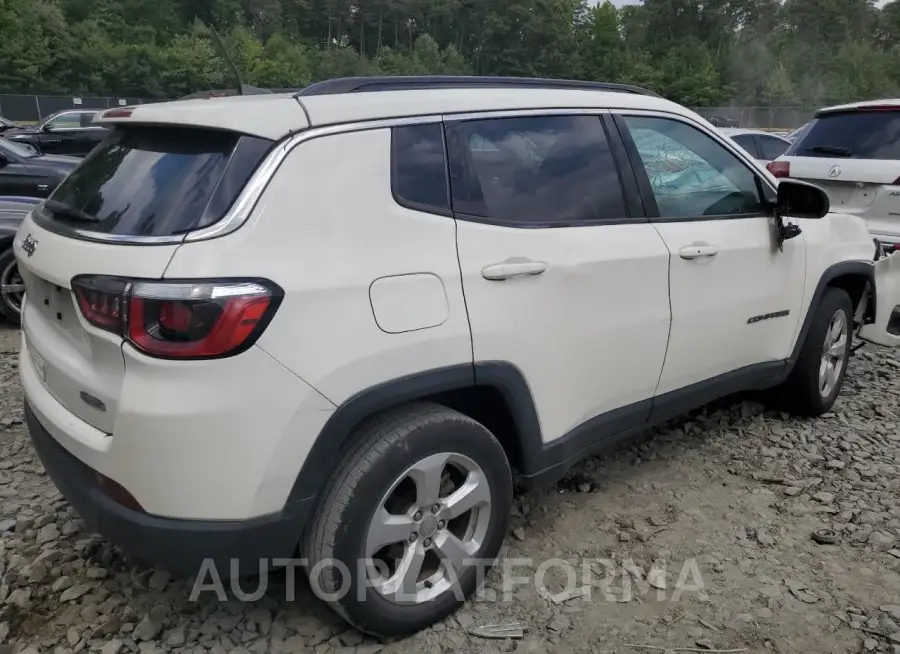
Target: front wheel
{"points": [[815, 382], [411, 520]]}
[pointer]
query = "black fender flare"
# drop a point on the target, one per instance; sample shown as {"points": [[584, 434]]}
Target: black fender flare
{"points": [[533, 454], [843, 268], [332, 441]]}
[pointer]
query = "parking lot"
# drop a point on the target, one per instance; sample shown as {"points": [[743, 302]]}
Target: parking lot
{"points": [[719, 506]]}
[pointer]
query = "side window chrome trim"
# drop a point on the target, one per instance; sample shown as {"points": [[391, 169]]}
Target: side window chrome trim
{"points": [[247, 200], [723, 140], [524, 113]]}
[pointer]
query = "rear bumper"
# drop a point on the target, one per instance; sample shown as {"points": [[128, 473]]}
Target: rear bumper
{"points": [[181, 546]]}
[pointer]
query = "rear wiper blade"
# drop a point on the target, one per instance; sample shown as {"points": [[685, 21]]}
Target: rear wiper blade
{"points": [[69, 212], [830, 149]]}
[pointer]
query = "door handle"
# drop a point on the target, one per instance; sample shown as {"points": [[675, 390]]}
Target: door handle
{"points": [[514, 267], [698, 251]]}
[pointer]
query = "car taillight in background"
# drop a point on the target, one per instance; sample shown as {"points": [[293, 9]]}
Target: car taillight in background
{"points": [[201, 319], [779, 168]]}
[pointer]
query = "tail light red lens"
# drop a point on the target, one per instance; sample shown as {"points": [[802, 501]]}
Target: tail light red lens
{"points": [[779, 168], [179, 320]]}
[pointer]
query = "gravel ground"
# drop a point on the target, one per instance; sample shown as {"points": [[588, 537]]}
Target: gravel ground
{"points": [[699, 537]]}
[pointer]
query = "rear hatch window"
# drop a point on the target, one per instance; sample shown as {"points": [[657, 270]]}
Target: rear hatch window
{"points": [[851, 135], [154, 181]]}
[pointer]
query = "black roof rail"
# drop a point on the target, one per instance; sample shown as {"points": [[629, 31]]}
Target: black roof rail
{"points": [[411, 82]]}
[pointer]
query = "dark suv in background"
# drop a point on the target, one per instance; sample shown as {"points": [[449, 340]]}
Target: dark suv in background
{"points": [[69, 132], [26, 171]]}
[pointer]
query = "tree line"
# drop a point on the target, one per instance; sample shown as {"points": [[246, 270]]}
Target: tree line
{"points": [[696, 52]]}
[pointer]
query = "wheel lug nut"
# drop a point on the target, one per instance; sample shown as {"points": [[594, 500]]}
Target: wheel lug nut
{"points": [[441, 524], [413, 537], [418, 515], [436, 508], [427, 542]]}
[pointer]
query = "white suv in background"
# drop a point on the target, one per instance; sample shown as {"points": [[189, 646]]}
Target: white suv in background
{"points": [[351, 319], [852, 151]]}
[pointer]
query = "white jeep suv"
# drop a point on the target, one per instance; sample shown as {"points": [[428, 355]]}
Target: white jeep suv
{"points": [[351, 319], [853, 152]]}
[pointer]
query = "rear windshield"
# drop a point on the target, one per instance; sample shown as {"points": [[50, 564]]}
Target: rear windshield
{"points": [[854, 135], [155, 181]]}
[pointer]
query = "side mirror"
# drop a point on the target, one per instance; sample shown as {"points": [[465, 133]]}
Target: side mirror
{"points": [[801, 200]]}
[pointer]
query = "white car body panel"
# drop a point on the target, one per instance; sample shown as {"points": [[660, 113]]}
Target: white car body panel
{"points": [[713, 299], [326, 332], [616, 319], [604, 294]]}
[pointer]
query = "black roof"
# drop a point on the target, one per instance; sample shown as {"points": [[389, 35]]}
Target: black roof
{"points": [[397, 83]]}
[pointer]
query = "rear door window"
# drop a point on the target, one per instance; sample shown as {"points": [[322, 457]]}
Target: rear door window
{"points": [[419, 168], [747, 142], [853, 135], [155, 181], [537, 171], [771, 148]]}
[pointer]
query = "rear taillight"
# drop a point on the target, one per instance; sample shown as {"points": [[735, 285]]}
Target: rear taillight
{"points": [[779, 168], [179, 320]]}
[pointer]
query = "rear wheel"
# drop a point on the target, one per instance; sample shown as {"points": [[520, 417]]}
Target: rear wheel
{"points": [[411, 520], [815, 382], [12, 290]]}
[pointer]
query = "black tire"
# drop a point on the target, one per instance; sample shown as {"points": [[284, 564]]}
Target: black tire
{"points": [[10, 307], [387, 446], [800, 393]]}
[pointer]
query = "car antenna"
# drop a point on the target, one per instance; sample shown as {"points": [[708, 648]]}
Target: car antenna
{"points": [[228, 60]]}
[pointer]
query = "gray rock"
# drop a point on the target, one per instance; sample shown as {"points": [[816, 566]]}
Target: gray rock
{"points": [[835, 464], [518, 533], [20, 597], [75, 592], [295, 645], [4, 631], [881, 541], [112, 647], [61, 584], [305, 625], [72, 527], [148, 628], [47, 533], [175, 637], [7, 525], [824, 497], [73, 635], [159, 580]]}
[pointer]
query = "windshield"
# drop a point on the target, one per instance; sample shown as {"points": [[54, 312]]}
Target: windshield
{"points": [[155, 181], [854, 135], [17, 149]]}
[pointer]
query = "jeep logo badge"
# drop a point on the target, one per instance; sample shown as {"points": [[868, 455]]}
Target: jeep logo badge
{"points": [[834, 171], [28, 245]]}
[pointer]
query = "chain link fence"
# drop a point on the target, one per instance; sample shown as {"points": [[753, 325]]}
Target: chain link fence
{"points": [[34, 108], [773, 119]]}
